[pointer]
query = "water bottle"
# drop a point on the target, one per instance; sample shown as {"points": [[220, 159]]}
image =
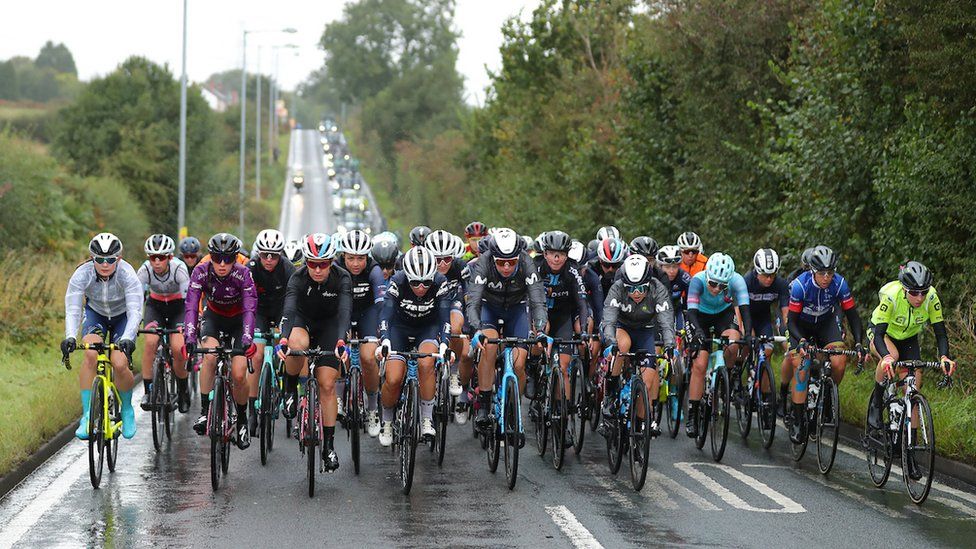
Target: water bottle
{"points": [[895, 409], [812, 393]]}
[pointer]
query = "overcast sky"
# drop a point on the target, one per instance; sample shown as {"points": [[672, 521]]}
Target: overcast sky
{"points": [[101, 33]]}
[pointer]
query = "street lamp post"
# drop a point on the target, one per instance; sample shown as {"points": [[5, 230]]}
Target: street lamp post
{"points": [[181, 207], [257, 136], [273, 101]]}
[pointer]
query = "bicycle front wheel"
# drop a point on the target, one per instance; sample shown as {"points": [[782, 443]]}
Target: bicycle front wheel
{"points": [[828, 425], [639, 433], [741, 394], [557, 417], [540, 412], [918, 450], [353, 413], [96, 432], [115, 418], [409, 436], [578, 406], [512, 432], [312, 433], [215, 427], [767, 405], [442, 414], [719, 424], [157, 400], [878, 448], [264, 414]]}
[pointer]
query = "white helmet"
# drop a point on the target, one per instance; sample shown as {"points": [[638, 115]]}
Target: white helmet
{"points": [[105, 245], [505, 244], [269, 241], [607, 232], [356, 242], [669, 255], [766, 261], [577, 251], [293, 251], [319, 246], [458, 246], [689, 240], [419, 264], [637, 270], [159, 244], [440, 243]]}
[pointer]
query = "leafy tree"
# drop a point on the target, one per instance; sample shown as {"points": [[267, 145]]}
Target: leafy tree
{"points": [[56, 57]]}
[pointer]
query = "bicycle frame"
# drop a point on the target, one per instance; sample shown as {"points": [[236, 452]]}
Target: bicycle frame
{"points": [[105, 374], [269, 359], [508, 372]]}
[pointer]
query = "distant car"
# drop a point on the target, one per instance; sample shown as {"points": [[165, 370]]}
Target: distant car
{"points": [[298, 180]]}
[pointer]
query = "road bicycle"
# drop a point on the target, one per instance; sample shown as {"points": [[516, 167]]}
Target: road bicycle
{"points": [[674, 395], [628, 427], [354, 398], [311, 429], [753, 390], [713, 410], [162, 389], [268, 404], [555, 406]]}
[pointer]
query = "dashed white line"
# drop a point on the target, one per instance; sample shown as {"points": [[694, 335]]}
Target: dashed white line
{"points": [[578, 535], [786, 505], [961, 507], [685, 493]]}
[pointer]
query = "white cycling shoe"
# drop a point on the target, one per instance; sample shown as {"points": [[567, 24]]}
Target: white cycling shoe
{"points": [[386, 434], [373, 423], [340, 407], [455, 385], [427, 428]]}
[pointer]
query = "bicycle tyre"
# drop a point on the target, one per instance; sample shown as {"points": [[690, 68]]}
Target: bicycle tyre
{"points": [[442, 413], [542, 405], [828, 401], [741, 397], [353, 414], [767, 406], [918, 489], [172, 392], [639, 438], [615, 442], [229, 407], [265, 420], [115, 416], [312, 434], [578, 406], [512, 416], [720, 414], [215, 426], [557, 417], [96, 432], [704, 417], [157, 403], [492, 440], [409, 434]]}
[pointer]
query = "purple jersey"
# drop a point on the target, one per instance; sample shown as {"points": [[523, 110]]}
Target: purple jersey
{"points": [[230, 296]]}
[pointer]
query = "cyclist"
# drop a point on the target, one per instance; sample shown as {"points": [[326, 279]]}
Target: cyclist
{"points": [[446, 247], [318, 307], [607, 231], [692, 259], [416, 307], [418, 234], [647, 247], [386, 254], [293, 253], [610, 254], [906, 305], [637, 306], [766, 289], [190, 252], [578, 254], [165, 279], [811, 318], [270, 274], [366, 277], [804, 265], [711, 296], [105, 296], [231, 305], [566, 303], [473, 233], [503, 285], [668, 258]]}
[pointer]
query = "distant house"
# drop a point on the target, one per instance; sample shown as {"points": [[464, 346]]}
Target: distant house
{"points": [[217, 100]]}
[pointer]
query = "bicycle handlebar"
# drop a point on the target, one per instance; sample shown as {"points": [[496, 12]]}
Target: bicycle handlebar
{"points": [[97, 347], [311, 353], [161, 331]]}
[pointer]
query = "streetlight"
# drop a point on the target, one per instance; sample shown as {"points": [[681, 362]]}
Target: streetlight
{"points": [[181, 207], [244, 118], [273, 100]]}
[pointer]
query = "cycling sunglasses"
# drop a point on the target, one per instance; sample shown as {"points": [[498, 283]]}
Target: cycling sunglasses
{"points": [[689, 252], [224, 259], [105, 260], [719, 285], [825, 273], [158, 257], [190, 256], [507, 263], [917, 293], [421, 283], [269, 255], [318, 265], [445, 259], [638, 289], [609, 266]]}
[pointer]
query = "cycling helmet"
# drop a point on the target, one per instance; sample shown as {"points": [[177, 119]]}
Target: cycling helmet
{"points": [[190, 245], [387, 235], [293, 251], [418, 234], [719, 268], [319, 246], [612, 251], [105, 245], [915, 276], [505, 244], [475, 229], [419, 264], [458, 246], [805, 258], [224, 243], [159, 244], [823, 258], [766, 261], [643, 245], [356, 242], [530, 243], [440, 243], [637, 270], [577, 251], [557, 241], [385, 252], [669, 255], [484, 244], [591, 246], [269, 241], [606, 232], [689, 240]]}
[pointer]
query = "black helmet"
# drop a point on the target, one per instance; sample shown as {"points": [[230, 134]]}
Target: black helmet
{"points": [[644, 245], [418, 234], [224, 243], [822, 258], [190, 245], [385, 252], [592, 246], [915, 276], [805, 258], [557, 241], [484, 244]]}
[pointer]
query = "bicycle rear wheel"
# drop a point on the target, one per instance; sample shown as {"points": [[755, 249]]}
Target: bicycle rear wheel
{"points": [[828, 425], [409, 436], [265, 420], [918, 457], [719, 424], [797, 450], [96, 432], [157, 401], [767, 405], [557, 417], [578, 405], [215, 428], [741, 396], [639, 437], [492, 441], [312, 433], [353, 413], [512, 415], [442, 414], [115, 417]]}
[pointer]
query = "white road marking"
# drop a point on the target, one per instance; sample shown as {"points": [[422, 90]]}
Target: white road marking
{"points": [[675, 488], [601, 479], [786, 505], [56, 490], [578, 535], [860, 498], [655, 492], [765, 466], [961, 507]]}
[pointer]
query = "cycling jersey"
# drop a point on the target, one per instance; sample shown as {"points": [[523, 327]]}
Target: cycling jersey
{"points": [[697, 267], [565, 291], [119, 294], [487, 287], [594, 293], [815, 304], [308, 302], [700, 299], [230, 296], [170, 286], [366, 286], [403, 308], [456, 282], [903, 320], [271, 286], [606, 278], [761, 298], [620, 310]]}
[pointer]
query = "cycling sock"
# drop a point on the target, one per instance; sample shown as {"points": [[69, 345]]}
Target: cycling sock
{"points": [[329, 433], [241, 414], [798, 411], [291, 382], [126, 399], [182, 384], [372, 401], [85, 402], [145, 385], [388, 413], [651, 411], [427, 408], [204, 403]]}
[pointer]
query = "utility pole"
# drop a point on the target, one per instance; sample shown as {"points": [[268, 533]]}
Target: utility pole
{"points": [[181, 207]]}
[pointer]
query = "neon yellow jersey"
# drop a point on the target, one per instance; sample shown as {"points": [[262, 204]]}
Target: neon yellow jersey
{"points": [[903, 320]]}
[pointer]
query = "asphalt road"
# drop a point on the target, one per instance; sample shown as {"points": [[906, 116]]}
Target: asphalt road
{"points": [[754, 498], [310, 210]]}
